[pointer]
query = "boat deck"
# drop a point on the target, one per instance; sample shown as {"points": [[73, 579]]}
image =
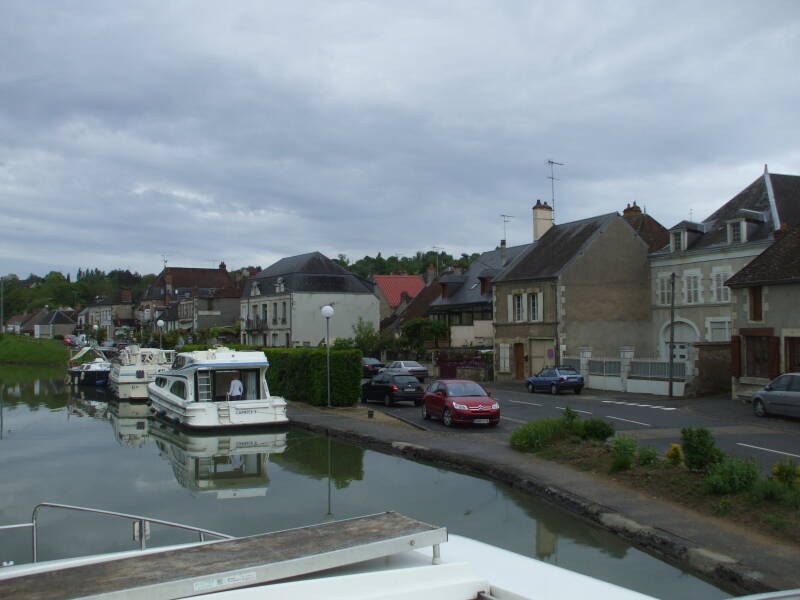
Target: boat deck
{"points": [[229, 564]]}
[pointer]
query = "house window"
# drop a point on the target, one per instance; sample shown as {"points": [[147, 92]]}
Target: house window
{"points": [[283, 312], [505, 363], [535, 306], [722, 293], [719, 331], [735, 232], [264, 314], [518, 307], [663, 291], [756, 356], [274, 339], [756, 307], [274, 313], [691, 288], [677, 245]]}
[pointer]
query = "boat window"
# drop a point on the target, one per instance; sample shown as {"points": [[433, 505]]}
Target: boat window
{"points": [[222, 383], [161, 381], [179, 389]]}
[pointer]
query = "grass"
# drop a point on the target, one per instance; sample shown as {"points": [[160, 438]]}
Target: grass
{"points": [[24, 350]]}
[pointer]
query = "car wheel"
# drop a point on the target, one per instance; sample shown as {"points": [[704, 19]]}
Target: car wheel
{"points": [[425, 413], [447, 418], [387, 400], [554, 389], [530, 387], [578, 390], [758, 408], [417, 402]]}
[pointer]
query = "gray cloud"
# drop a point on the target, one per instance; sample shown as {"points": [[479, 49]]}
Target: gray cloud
{"points": [[254, 131]]}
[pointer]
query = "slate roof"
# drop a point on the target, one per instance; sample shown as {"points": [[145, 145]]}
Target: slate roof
{"points": [[394, 286], [466, 288], [53, 317], [547, 257], [778, 264], [311, 272], [786, 190]]}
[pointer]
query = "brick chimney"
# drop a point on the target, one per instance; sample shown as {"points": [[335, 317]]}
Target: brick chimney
{"points": [[222, 266], [542, 219], [632, 209]]}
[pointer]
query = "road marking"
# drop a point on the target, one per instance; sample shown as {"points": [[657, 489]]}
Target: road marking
{"points": [[575, 409], [628, 421], [513, 420], [768, 450], [640, 405], [528, 403]]}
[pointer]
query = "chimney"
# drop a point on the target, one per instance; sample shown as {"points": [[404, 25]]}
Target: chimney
{"points": [[542, 219], [222, 266], [632, 209], [430, 274], [503, 256]]}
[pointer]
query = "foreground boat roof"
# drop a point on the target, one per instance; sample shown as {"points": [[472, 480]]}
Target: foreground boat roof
{"points": [[224, 356]]}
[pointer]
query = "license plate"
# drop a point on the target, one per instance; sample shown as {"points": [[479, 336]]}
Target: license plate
{"points": [[410, 388], [481, 421]]}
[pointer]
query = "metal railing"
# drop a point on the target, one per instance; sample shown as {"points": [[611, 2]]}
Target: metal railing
{"points": [[142, 524]]}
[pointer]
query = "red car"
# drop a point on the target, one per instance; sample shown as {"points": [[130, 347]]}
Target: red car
{"points": [[460, 401]]}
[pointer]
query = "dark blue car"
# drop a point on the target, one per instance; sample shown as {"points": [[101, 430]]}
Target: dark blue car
{"points": [[555, 379]]}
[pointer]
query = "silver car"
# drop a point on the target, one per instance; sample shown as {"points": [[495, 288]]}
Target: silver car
{"points": [[781, 396]]}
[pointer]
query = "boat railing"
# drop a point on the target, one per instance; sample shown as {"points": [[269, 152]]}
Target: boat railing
{"points": [[141, 524]]}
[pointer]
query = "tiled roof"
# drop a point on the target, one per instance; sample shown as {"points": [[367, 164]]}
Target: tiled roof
{"points": [[545, 258], [394, 286], [654, 234], [780, 263], [417, 308], [189, 278], [311, 272]]}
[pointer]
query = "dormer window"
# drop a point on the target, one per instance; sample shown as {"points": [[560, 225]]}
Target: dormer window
{"points": [[736, 232], [677, 241]]}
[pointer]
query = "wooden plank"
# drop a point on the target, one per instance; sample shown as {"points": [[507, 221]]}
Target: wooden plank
{"points": [[230, 563]]}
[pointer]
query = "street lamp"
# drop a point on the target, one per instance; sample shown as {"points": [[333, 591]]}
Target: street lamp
{"points": [[160, 325], [327, 312], [95, 327]]}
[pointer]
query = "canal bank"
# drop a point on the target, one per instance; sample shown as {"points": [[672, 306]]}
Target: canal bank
{"points": [[737, 559]]}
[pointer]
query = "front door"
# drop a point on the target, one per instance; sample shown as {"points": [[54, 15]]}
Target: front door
{"points": [[519, 361], [538, 355], [792, 356]]}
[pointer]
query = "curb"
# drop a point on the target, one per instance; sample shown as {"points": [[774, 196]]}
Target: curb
{"points": [[678, 551]]}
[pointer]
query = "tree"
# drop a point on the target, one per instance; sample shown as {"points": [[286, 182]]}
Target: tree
{"points": [[418, 331]]}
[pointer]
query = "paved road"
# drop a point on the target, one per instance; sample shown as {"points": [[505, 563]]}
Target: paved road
{"points": [[653, 420]]}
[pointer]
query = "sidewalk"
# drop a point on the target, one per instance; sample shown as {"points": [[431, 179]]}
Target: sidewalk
{"points": [[738, 559]]}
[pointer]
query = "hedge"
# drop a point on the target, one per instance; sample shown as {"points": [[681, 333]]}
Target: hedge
{"points": [[301, 373]]}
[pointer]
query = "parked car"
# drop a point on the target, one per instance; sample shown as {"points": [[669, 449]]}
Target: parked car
{"points": [[555, 379], [393, 387], [370, 366], [780, 396], [460, 401], [408, 366], [71, 340]]}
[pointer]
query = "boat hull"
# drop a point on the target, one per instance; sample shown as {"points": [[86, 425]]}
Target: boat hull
{"points": [[90, 378], [219, 415]]}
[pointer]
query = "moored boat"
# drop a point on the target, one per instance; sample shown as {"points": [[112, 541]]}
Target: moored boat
{"points": [[135, 368], [217, 388], [95, 372]]}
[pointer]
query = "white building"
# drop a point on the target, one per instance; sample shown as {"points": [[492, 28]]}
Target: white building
{"points": [[280, 306]]}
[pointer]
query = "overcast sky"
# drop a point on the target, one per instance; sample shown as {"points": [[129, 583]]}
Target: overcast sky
{"points": [[249, 131]]}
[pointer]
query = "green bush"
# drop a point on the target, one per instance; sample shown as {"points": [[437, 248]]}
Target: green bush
{"points": [[731, 475], [647, 456], [596, 429], [790, 496], [675, 455], [786, 472], [536, 435], [699, 449], [624, 449], [766, 489]]}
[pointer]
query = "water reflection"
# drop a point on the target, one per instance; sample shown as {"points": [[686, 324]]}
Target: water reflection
{"points": [[314, 456], [233, 465], [88, 402], [130, 422]]}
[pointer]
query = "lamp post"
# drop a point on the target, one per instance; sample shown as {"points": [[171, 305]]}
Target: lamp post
{"points": [[327, 312], [95, 328], [160, 325]]}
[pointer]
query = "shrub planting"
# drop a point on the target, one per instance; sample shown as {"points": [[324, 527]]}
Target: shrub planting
{"points": [[647, 456], [675, 455], [536, 435], [731, 475], [766, 489], [699, 449], [786, 472], [624, 449], [596, 429]]}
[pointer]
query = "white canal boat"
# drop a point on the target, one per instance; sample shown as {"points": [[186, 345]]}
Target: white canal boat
{"points": [[95, 372], [217, 388], [135, 368]]}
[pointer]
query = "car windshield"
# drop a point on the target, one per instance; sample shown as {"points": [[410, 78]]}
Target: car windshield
{"points": [[467, 388], [403, 379], [410, 364], [370, 361], [567, 371]]}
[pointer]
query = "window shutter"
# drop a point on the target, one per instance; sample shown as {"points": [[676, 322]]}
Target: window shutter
{"points": [[510, 308], [773, 357], [524, 307], [736, 356], [540, 306]]}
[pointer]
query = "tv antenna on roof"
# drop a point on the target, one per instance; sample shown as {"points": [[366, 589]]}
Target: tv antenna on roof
{"points": [[437, 249], [164, 260], [506, 219], [551, 163]]}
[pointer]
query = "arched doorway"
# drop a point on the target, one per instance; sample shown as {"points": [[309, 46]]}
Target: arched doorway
{"points": [[685, 335]]}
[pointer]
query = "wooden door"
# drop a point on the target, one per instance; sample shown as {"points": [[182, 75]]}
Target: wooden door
{"points": [[519, 361]]}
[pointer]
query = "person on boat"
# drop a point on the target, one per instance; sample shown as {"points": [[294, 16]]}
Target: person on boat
{"points": [[235, 391]]}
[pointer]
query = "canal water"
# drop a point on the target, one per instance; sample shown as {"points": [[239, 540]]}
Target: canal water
{"points": [[81, 447]]}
